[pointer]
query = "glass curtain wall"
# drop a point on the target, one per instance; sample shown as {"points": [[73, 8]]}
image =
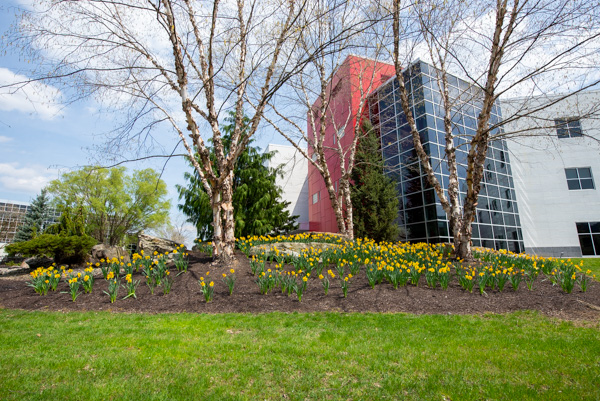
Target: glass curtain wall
{"points": [[421, 215]]}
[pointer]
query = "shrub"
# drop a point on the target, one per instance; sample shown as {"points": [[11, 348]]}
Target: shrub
{"points": [[64, 249]]}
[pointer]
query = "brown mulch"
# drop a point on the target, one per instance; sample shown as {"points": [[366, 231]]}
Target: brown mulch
{"points": [[185, 296]]}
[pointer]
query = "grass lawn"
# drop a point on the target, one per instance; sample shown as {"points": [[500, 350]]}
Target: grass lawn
{"points": [[589, 263], [103, 356]]}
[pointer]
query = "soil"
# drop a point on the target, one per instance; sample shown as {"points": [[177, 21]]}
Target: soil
{"points": [[185, 296]]}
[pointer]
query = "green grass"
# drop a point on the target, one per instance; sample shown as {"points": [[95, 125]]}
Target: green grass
{"points": [[103, 356], [589, 263]]}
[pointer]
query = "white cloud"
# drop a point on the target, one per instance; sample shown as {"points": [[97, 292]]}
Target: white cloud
{"points": [[34, 97], [4, 139], [29, 179]]}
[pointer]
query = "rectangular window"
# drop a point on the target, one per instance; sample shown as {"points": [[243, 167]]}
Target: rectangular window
{"points": [[336, 186], [314, 156], [341, 132], [589, 237], [315, 198], [568, 127], [579, 178]]}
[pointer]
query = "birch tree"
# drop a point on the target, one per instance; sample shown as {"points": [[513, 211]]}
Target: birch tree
{"points": [[179, 62], [320, 112], [501, 48]]}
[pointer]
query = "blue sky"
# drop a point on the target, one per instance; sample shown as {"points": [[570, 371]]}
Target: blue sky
{"points": [[39, 141]]}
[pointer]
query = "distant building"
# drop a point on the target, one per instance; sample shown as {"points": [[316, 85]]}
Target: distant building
{"points": [[12, 216], [556, 163], [294, 181]]}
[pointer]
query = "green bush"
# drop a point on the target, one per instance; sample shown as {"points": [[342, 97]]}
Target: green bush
{"points": [[64, 249]]}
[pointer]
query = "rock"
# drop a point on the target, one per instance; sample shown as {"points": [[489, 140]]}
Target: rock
{"points": [[14, 271], [35, 262], [149, 244], [107, 252], [291, 248]]}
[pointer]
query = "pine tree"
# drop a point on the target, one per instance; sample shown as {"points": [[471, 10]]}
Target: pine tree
{"points": [[36, 218], [374, 196], [258, 208]]}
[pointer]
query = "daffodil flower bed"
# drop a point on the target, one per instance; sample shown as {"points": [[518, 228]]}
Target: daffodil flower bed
{"points": [[338, 267], [402, 263]]}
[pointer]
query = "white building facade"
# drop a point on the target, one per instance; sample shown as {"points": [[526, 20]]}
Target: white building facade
{"points": [[294, 181], [555, 159]]}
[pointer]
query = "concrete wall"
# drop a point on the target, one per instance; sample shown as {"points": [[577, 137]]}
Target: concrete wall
{"points": [[294, 181], [548, 209]]}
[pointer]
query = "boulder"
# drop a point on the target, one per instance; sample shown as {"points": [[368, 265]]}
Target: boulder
{"points": [[36, 261], [107, 252], [149, 244], [291, 248]]}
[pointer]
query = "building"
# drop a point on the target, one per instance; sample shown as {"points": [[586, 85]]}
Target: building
{"points": [[555, 156], [421, 215], [344, 91], [539, 193], [12, 216], [497, 223], [294, 181]]}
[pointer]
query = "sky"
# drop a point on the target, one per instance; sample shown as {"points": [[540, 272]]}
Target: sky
{"points": [[40, 137]]}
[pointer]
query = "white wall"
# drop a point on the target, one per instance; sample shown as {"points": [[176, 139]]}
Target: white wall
{"points": [[547, 208], [295, 180]]}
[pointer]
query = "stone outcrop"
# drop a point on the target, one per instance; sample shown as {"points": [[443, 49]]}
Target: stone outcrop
{"points": [[107, 252], [150, 244], [290, 248], [35, 262]]}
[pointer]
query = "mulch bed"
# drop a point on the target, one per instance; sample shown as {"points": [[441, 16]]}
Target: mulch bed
{"points": [[185, 296]]}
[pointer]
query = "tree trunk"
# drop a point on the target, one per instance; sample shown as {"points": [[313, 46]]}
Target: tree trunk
{"points": [[224, 222], [228, 243], [349, 222], [217, 225], [462, 243]]}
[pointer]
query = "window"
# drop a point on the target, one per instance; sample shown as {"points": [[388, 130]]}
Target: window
{"points": [[336, 186], [314, 156], [315, 197], [589, 237], [579, 178], [568, 127]]}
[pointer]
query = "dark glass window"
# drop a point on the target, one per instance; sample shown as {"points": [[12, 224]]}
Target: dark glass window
{"points": [[416, 215], [568, 127], [579, 178], [483, 216], [432, 229], [589, 237], [485, 231], [443, 228], [416, 231]]}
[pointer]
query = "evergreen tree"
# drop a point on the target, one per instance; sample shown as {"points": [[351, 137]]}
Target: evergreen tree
{"points": [[36, 218], [374, 196], [257, 205]]}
